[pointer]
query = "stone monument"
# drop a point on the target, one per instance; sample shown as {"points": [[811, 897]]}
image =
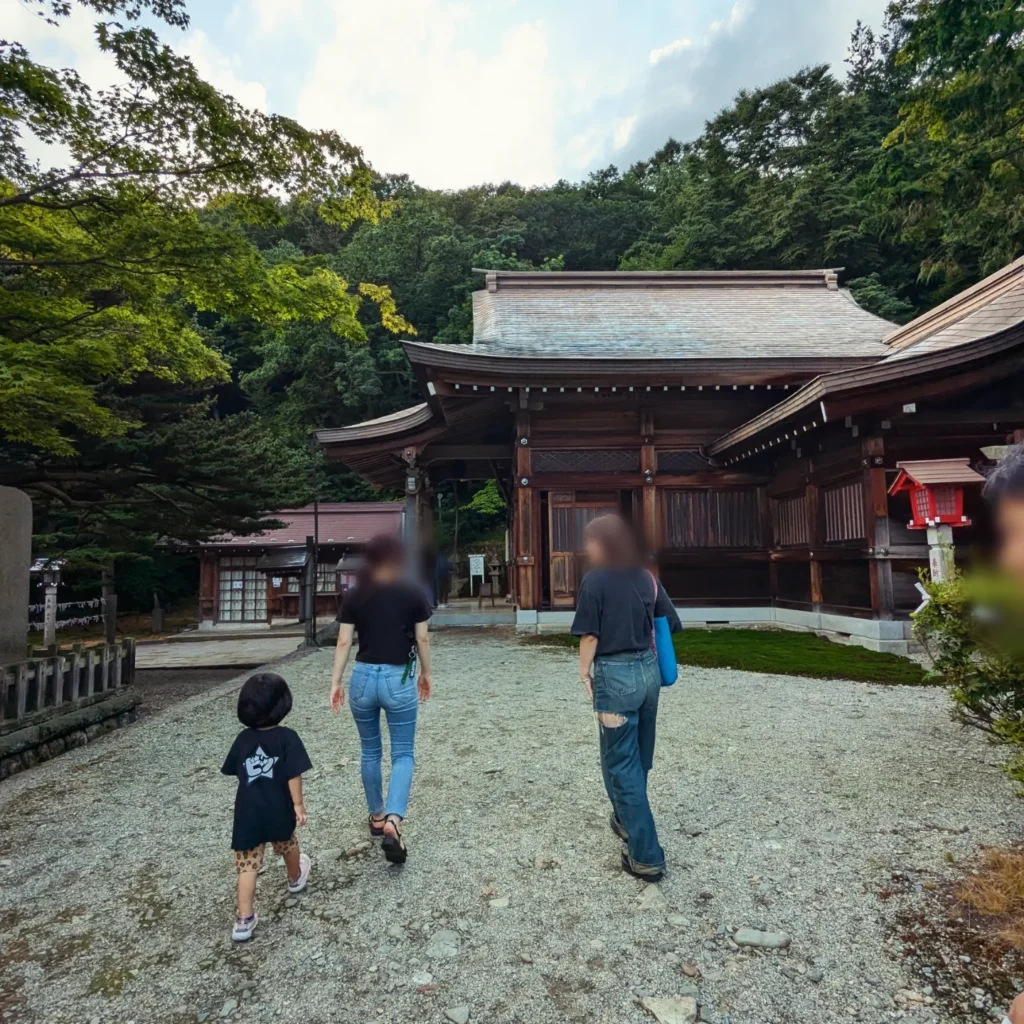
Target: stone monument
{"points": [[15, 562]]}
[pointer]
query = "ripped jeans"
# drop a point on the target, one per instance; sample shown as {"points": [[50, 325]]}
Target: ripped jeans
{"points": [[626, 691]]}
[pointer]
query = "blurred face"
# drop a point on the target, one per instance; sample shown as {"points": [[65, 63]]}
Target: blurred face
{"points": [[1010, 523], [387, 572], [595, 552]]}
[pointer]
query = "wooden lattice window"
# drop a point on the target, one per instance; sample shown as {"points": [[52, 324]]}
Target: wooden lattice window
{"points": [[791, 521], [681, 461], [844, 512], [712, 519], [587, 460]]}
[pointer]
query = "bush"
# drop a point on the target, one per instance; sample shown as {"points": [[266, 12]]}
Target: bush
{"points": [[973, 630]]}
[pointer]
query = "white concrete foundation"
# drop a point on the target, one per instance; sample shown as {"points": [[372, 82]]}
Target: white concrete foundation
{"points": [[891, 637]]}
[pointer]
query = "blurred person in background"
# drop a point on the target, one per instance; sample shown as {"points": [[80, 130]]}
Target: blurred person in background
{"points": [[390, 616], [1004, 489]]}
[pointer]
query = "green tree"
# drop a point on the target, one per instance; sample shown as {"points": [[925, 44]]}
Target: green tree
{"points": [[959, 143], [117, 267]]}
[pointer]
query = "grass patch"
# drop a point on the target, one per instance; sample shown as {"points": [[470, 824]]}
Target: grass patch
{"points": [[781, 652], [996, 892]]}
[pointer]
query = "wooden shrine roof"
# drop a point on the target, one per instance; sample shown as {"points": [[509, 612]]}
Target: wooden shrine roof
{"points": [[940, 471], [968, 331], [669, 315], [991, 306], [341, 522]]}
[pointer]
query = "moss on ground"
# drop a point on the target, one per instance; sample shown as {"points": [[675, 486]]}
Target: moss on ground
{"points": [[782, 652]]}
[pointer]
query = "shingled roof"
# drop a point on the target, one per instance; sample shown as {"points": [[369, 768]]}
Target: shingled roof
{"points": [[987, 308], [672, 315], [341, 522]]}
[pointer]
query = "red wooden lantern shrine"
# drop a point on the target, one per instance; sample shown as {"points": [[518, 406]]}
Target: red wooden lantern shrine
{"points": [[936, 490]]}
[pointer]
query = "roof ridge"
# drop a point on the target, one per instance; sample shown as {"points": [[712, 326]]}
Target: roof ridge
{"points": [[960, 306], [498, 279]]}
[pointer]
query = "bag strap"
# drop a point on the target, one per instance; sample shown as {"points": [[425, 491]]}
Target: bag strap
{"points": [[654, 582]]}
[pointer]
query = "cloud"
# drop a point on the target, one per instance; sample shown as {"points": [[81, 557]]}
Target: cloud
{"points": [[220, 71], [677, 45], [420, 99], [756, 43], [266, 17]]}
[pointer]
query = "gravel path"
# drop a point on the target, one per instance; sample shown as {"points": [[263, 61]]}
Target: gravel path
{"points": [[784, 804]]}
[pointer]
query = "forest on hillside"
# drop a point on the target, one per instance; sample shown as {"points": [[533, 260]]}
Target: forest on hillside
{"points": [[172, 330]]}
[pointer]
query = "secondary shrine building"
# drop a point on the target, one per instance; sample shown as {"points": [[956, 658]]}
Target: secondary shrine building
{"points": [[749, 424]]}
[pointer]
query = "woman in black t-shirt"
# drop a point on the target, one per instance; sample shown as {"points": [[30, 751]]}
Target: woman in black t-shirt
{"points": [[617, 603], [390, 617]]}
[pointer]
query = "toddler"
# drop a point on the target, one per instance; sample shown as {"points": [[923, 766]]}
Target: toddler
{"points": [[268, 759]]}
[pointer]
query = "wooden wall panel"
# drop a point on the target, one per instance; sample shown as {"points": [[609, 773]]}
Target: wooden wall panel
{"points": [[843, 511], [712, 519], [789, 521]]}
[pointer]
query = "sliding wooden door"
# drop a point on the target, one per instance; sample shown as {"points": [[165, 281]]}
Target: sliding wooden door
{"points": [[568, 514]]}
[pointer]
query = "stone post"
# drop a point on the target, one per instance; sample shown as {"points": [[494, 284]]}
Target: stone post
{"points": [[940, 552], [50, 615], [15, 563]]}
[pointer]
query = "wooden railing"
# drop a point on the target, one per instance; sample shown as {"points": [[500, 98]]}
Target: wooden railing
{"points": [[52, 680]]}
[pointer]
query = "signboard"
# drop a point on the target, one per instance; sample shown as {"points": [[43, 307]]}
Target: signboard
{"points": [[476, 568], [276, 581], [237, 585]]}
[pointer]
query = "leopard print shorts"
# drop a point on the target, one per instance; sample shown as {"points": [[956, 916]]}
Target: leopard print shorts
{"points": [[252, 860]]}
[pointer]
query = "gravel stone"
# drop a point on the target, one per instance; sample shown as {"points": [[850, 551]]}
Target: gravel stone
{"points": [[761, 940], [443, 945], [458, 1014], [671, 1009], [853, 781]]}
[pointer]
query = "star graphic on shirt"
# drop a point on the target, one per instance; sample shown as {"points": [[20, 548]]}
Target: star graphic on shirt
{"points": [[260, 765]]}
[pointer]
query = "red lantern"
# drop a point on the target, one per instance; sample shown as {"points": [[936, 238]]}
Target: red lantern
{"points": [[936, 489]]}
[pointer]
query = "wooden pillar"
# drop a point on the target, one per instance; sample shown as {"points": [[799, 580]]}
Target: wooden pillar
{"points": [[649, 500], [413, 486], [876, 527], [527, 516], [208, 585], [813, 541], [427, 512]]}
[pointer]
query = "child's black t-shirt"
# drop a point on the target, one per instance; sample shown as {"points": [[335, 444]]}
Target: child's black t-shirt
{"points": [[264, 760]]}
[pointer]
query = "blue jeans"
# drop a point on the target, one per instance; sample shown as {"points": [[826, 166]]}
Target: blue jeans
{"points": [[628, 685], [371, 688]]}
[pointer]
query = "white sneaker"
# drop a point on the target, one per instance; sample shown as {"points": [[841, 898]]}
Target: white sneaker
{"points": [[244, 927], [300, 883]]}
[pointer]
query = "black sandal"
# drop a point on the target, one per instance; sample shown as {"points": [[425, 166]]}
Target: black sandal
{"points": [[393, 846], [376, 830]]}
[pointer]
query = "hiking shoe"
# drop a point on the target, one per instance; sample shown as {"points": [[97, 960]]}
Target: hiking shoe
{"points": [[244, 927], [300, 883]]}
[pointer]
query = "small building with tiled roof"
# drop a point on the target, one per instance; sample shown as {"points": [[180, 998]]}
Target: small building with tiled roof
{"points": [[256, 579], [747, 422]]}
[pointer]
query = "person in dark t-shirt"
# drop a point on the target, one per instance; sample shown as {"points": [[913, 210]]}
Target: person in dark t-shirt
{"points": [[390, 616], [268, 760], [616, 606]]}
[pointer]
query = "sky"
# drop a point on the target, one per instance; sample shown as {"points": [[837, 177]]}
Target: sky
{"points": [[460, 92]]}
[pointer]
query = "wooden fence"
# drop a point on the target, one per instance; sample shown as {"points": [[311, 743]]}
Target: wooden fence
{"points": [[40, 684]]}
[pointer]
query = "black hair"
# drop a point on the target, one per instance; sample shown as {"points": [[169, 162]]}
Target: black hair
{"points": [[384, 549], [1006, 480], [264, 701]]}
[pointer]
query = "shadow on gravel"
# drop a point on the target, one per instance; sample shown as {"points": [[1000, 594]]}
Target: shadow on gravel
{"points": [[163, 687]]}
